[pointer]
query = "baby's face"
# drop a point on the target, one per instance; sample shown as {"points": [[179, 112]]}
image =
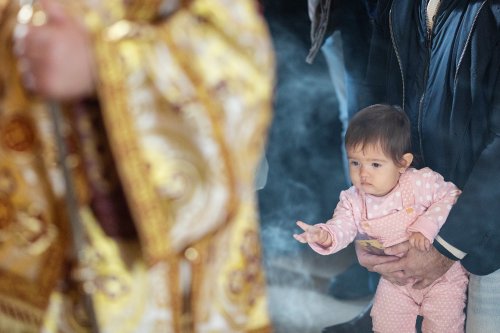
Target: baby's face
{"points": [[372, 171]]}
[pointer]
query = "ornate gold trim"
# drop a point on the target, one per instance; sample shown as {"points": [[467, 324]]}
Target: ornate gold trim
{"points": [[151, 215]]}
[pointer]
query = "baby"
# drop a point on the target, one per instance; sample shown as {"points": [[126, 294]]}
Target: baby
{"points": [[389, 203]]}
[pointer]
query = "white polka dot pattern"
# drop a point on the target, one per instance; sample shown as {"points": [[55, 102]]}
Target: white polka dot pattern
{"points": [[395, 308], [420, 203], [390, 219]]}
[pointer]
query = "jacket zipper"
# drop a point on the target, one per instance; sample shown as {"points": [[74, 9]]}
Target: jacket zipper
{"points": [[400, 64], [466, 44], [428, 45], [429, 42]]}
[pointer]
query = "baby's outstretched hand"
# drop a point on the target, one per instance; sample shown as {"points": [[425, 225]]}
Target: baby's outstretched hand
{"points": [[419, 241], [313, 234]]}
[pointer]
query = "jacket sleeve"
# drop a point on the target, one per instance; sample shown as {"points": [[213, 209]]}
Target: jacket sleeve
{"points": [[441, 196], [472, 232], [341, 227]]}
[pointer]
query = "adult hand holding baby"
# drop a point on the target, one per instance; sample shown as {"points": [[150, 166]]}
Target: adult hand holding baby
{"points": [[407, 264]]}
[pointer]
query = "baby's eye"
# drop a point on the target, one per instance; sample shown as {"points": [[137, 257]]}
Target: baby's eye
{"points": [[354, 163], [376, 165]]}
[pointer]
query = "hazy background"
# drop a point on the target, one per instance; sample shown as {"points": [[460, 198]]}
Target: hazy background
{"points": [[304, 180], [305, 174]]}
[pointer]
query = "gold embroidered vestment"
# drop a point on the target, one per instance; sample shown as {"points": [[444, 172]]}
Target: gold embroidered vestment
{"points": [[178, 127]]}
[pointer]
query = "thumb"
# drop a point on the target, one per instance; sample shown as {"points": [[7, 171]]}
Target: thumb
{"points": [[55, 11], [420, 284], [400, 248]]}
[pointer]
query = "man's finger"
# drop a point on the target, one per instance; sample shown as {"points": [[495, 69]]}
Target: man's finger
{"points": [[390, 267], [397, 278], [397, 249], [421, 284]]}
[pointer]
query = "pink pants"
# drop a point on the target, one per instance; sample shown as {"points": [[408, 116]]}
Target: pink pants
{"points": [[442, 304]]}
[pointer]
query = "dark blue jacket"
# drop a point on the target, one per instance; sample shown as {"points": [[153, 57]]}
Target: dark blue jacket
{"points": [[448, 83]]}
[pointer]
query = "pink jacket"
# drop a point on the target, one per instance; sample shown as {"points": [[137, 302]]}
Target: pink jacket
{"points": [[420, 202]]}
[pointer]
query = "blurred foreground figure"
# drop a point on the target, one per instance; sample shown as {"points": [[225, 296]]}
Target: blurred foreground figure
{"points": [[163, 109]]}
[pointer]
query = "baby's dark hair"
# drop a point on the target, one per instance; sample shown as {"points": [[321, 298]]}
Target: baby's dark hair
{"points": [[382, 124]]}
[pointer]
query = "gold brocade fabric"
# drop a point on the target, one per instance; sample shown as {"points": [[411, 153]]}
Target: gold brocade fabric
{"points": [[185, 96]]}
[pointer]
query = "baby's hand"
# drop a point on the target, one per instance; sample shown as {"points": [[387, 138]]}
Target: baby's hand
{"points": [[313, 234], [419, 241]]}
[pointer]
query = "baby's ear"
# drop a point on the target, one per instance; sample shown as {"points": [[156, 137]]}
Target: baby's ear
{"points": [[406, 161]]}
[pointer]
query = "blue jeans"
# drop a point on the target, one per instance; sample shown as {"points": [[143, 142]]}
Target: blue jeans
{"points": [[483, 313], [333, 52]]}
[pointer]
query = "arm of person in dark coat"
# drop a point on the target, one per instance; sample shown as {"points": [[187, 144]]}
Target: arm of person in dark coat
{"points": [[472, 231]]}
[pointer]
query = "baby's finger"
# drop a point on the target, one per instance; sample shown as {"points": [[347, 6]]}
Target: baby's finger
{"points": [[302, 225], [301, 238], [412, 242]]}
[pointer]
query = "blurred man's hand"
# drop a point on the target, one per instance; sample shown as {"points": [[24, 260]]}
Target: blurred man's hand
{"points": [[55, 56]]}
